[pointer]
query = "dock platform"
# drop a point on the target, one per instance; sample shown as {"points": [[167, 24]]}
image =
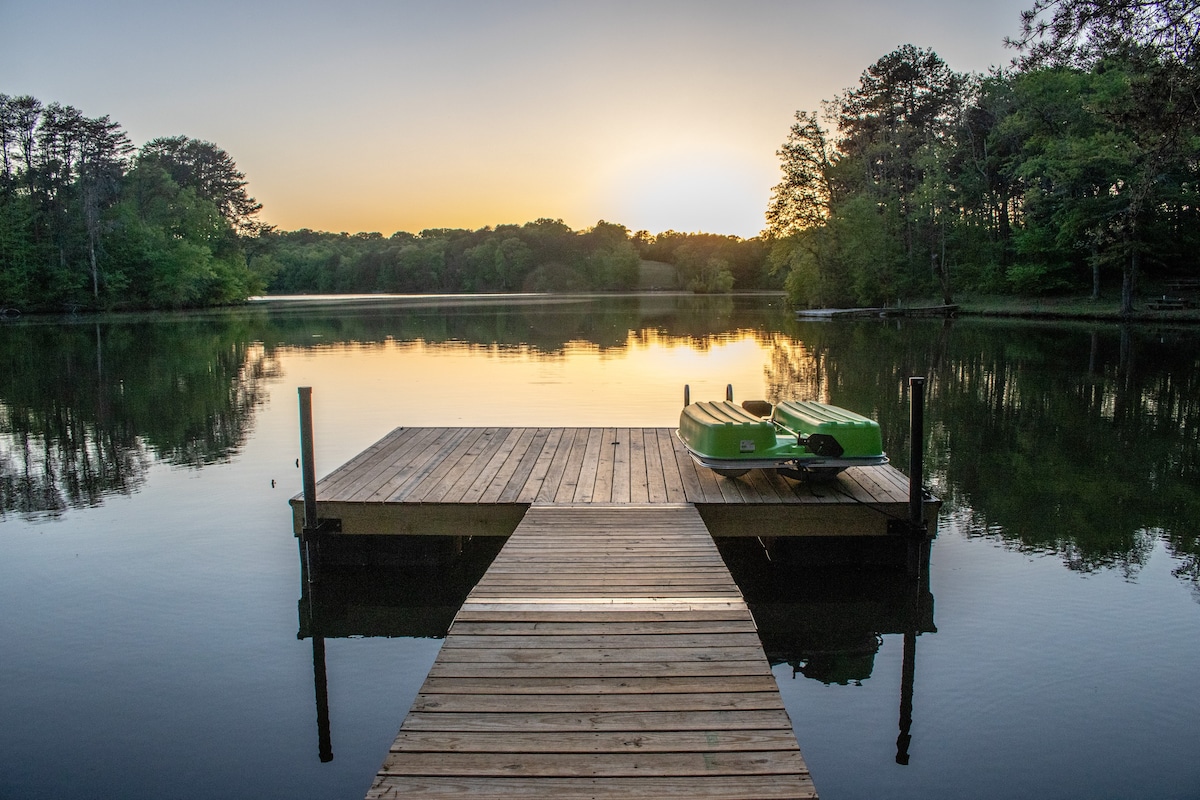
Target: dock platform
{"points": [[607, 653], [444, 481]]}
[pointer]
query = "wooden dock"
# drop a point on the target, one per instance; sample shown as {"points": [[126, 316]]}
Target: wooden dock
{"points": [[447, 481], [607, 653], [865, 313]]}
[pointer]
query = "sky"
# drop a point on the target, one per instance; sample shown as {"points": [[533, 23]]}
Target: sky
{"points": [[390, 115]]}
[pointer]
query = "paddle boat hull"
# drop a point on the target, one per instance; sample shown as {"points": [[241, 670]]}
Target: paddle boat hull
{"points": [[800, 438]]}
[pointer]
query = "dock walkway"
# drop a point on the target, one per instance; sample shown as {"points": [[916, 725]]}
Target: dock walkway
{"points": [[444, 481], [607, 653]]}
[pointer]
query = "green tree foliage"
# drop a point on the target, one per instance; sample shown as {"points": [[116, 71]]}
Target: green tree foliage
{"points": [[540, 256], [212, 174], [1155, 43], [84, 224], [873, 204], [1078, 164]]}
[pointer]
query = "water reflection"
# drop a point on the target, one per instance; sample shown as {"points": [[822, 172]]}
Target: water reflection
{"points": [[1080, 440], [393, 586], [88, 407], [823, 611], [814, 612]]}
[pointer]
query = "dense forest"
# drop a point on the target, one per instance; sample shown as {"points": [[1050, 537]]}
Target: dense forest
{"points": [[540, 256], [85, 222], [1074, 170]]}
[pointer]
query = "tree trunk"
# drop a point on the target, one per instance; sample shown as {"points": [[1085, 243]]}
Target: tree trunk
{"points": [[943, 275], [95, 271], [1128, 282]]}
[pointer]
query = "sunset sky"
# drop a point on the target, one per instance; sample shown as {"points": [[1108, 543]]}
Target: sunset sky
{"points": [[386, 115]]}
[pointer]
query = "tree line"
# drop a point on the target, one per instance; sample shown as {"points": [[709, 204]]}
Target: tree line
{"points": [[87, 221], [545, 255], [1075, 169]]}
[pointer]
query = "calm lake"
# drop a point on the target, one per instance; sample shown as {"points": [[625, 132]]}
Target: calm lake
{"points": [[157, 639]]}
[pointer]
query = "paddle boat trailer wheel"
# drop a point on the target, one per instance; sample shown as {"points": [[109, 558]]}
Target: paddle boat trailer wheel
{"points": [[800, 439]]}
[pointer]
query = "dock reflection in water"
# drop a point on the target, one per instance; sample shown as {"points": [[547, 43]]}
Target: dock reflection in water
{"points": [[390, 586], [827, 620]]}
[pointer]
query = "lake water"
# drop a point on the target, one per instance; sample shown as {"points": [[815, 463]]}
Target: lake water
{"points": [[157, 638]]}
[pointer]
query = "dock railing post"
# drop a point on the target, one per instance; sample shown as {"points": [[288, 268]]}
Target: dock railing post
{"points": [[916, 473], [309, 479]]}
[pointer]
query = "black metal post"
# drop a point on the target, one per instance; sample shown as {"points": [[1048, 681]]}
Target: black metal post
{"points": [[321, 688], [917, 535], [308, 470], [908, 675], [916, 430]]}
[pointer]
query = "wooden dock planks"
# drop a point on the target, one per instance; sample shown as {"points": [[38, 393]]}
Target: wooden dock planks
{"points": [[436, 480], [606, 653]]}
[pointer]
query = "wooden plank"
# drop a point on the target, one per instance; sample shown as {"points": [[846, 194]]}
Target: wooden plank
{"points": [[785, 488], [598, 685], [598, 655], [558, 464], [473, 613], [611, 641], [596, 703], [509, 627], [591, 465], [638, 477], [514, 459], [541, 467], [365, 478], [620, 480], [526, 722], [417, 463], [355, 471], [712, 787], [523, 472], [602, 489], [598, 765], [595, 741], [662, 669], [565, 491], [487, 463], [656, 485], [672, 476], [450, 469]]}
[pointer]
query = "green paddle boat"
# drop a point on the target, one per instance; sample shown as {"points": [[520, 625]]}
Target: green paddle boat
{"points": [[801, 439]]}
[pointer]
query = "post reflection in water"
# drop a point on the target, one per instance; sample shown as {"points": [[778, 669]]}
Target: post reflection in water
{"points": [[823, 607], [389, 586], [815, 610]]}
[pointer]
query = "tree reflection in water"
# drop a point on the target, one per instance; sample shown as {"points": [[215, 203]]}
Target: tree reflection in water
{"points": [[88, 407], [1081, 440]]}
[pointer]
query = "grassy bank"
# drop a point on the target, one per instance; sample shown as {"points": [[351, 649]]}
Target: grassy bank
{"points": [[1068, 308]]}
